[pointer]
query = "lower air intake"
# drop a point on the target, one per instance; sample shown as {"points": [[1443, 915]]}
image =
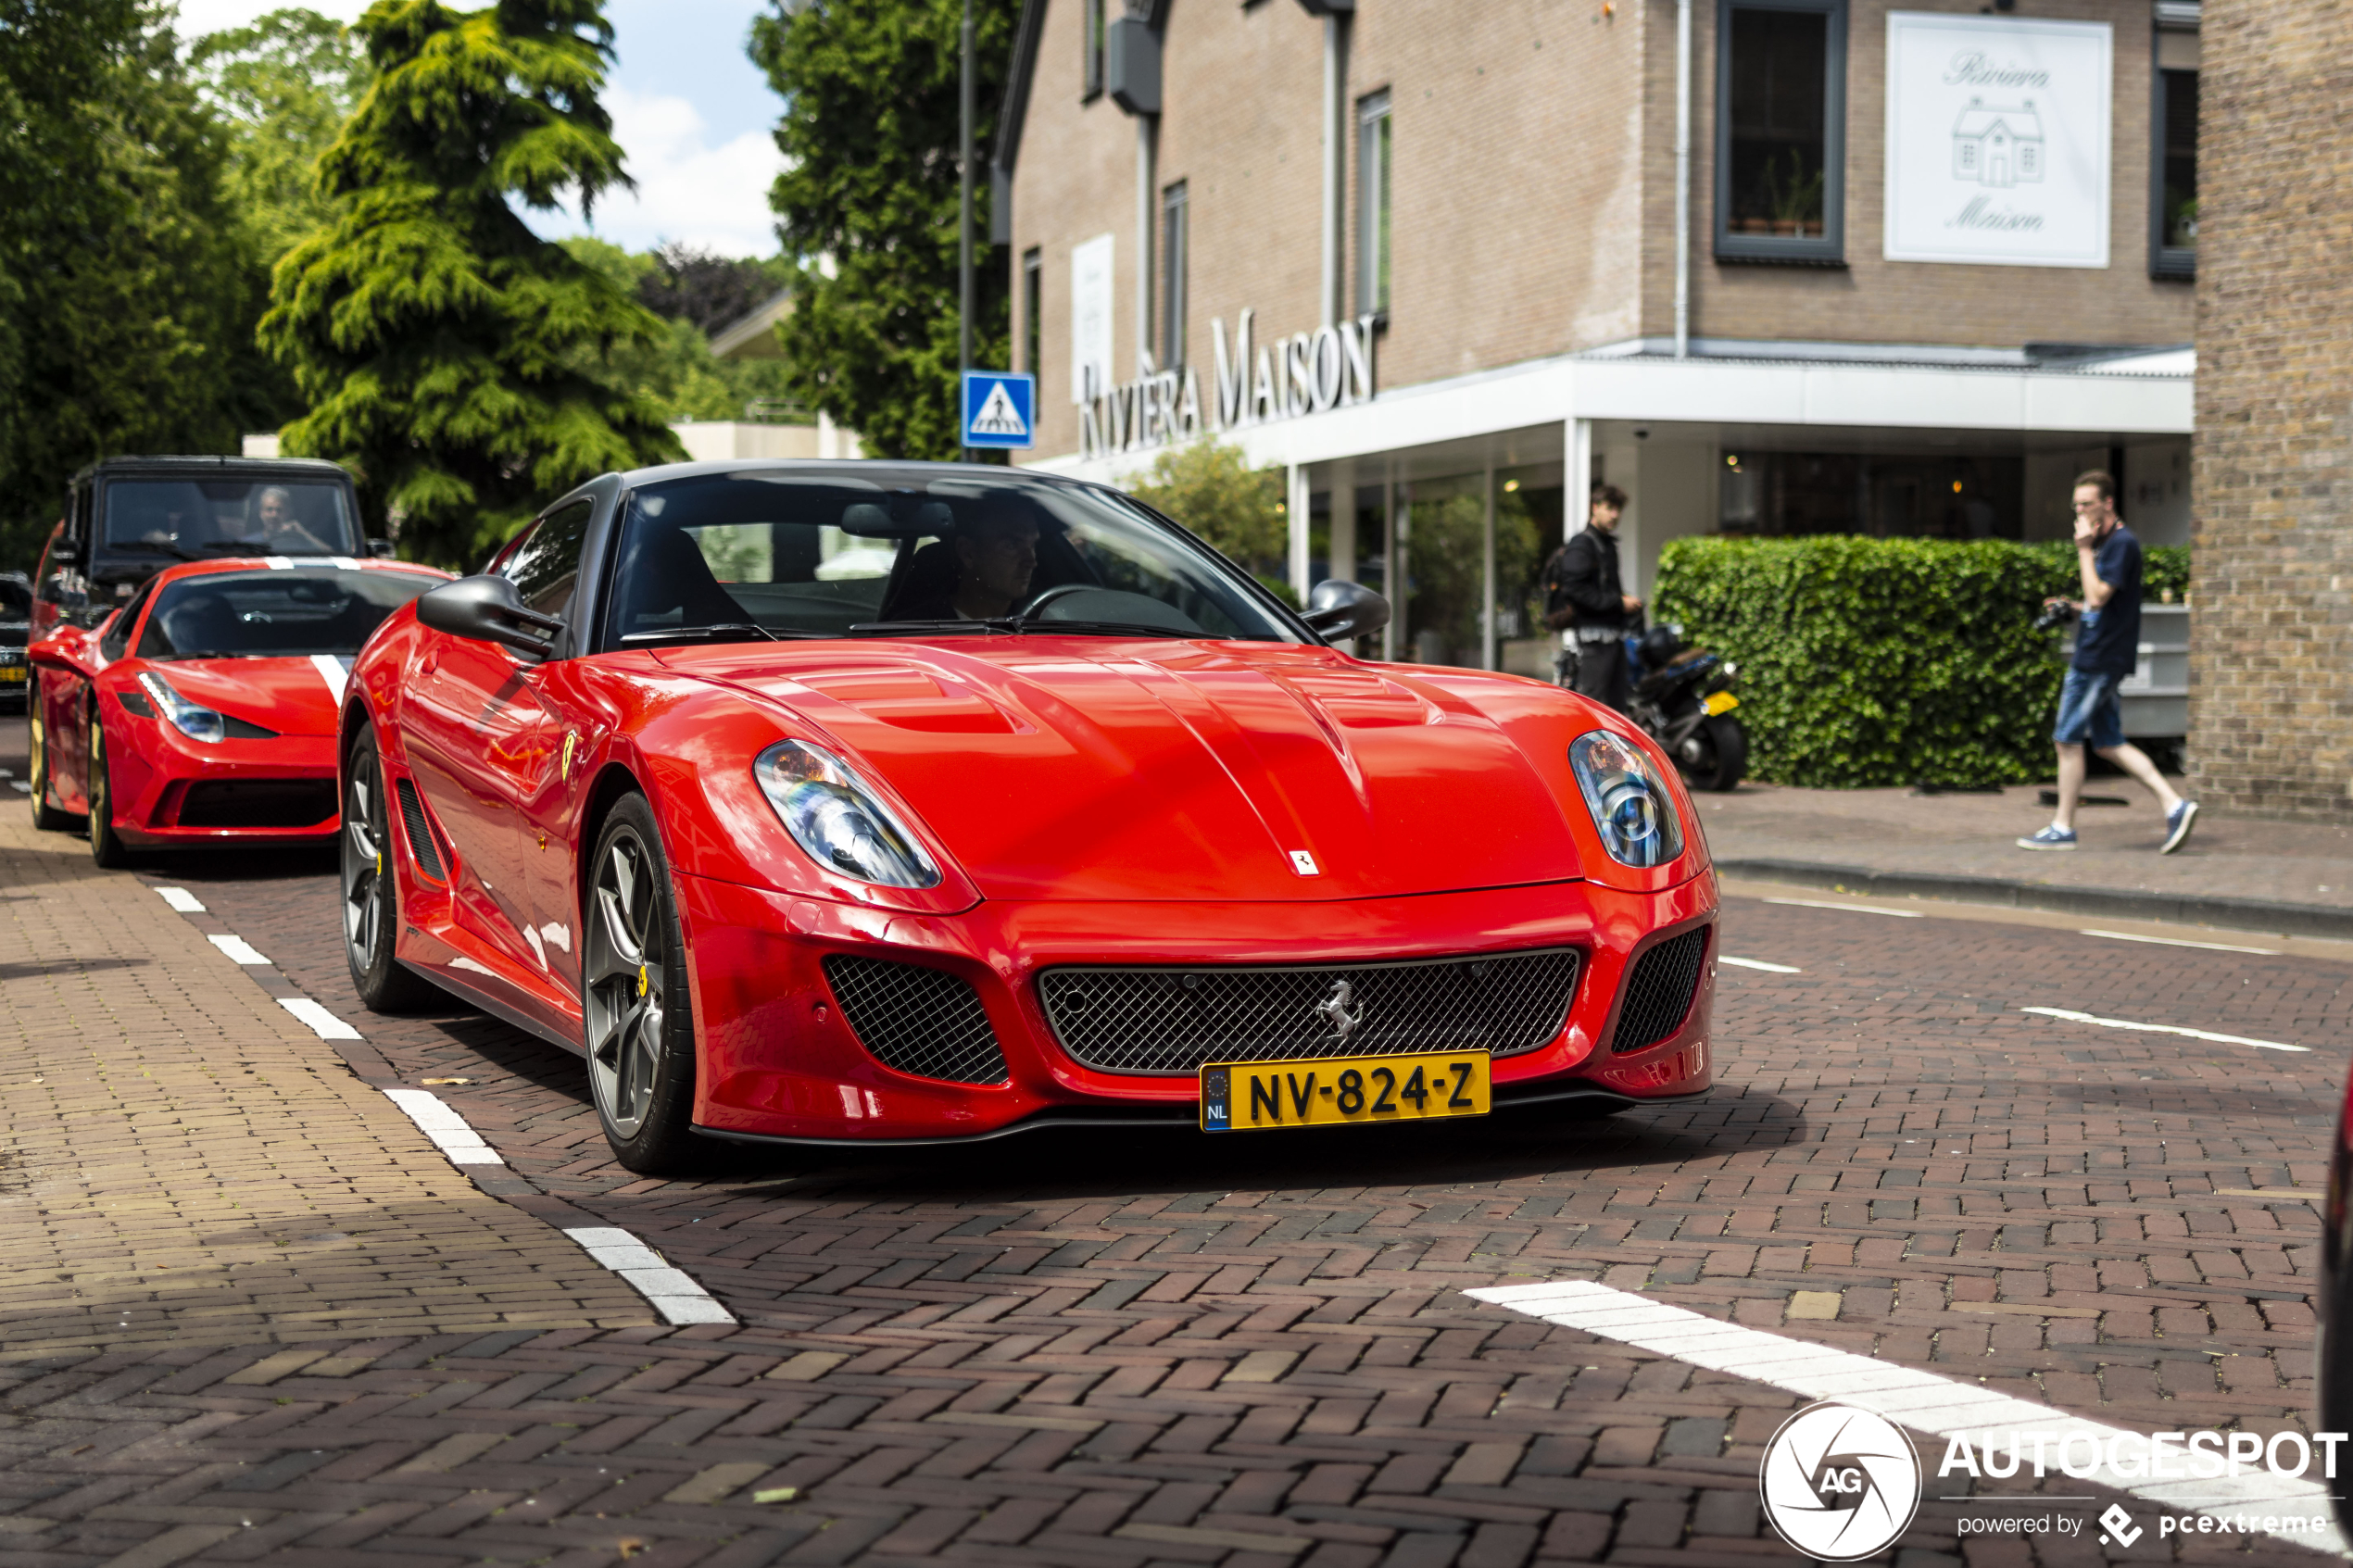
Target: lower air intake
{"points": [[420, 841], [1659, 993], [259, 803], [921, 1022]]}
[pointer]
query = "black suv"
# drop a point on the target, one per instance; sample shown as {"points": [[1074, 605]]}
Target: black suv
{"points": [[15, 629], [128, 517]]}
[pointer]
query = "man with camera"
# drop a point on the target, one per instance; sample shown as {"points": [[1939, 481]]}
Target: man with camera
{"points": [[2108, 645], [1585, 602]]}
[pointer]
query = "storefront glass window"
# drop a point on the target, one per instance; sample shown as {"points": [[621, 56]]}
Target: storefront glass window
{"points": [[1779, 143], [1033, 276], [1372, 176], [1886, 495], [2176, 216], [1173, 233]]}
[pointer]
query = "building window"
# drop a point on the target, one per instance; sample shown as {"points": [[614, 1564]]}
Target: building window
{"points": [[1032, 289], [2173, 193], [1095, 35], [1172, 276], [1781, 133], [1372, 204]]}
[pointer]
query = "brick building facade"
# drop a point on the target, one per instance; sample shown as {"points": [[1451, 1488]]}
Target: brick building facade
{"points": [[1470, 213], [2272, 688]]}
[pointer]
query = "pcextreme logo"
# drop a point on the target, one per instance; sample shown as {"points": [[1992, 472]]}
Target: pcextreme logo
{"points": [[1839, 1483]]}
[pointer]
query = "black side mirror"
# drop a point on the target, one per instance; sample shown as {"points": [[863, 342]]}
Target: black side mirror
{"points": [[488, 611], [380, 550], [1338, 610]]}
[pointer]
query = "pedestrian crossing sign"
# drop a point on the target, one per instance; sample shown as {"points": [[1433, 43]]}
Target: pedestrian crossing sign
{"points": [[1000, 408]]}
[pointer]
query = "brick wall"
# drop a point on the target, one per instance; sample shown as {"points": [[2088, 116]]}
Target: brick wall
{"points": [[2270, 685]]}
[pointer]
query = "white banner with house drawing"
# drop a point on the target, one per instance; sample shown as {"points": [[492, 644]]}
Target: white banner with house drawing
{"points": [[1997, 140]]}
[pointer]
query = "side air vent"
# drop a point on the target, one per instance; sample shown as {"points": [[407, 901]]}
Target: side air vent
{"points": [[421, 840], [1659, 992], [923, 1021]]}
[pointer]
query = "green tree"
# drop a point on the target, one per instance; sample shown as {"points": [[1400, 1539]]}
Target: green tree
{"points": [[1211, 489], [439, 341], [870, 139], [283, 88], [677, 372], [119, 293]]}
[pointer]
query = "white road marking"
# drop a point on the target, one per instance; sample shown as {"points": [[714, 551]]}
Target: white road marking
{"points": [[1850, 909], [324, 1025], [181, 899], [2159, 1029], [238, 948], [447, 1130], [1758, 963], [2180, 942], [672, 1292], [20, 786], [1943, 1407], [331, 671]]}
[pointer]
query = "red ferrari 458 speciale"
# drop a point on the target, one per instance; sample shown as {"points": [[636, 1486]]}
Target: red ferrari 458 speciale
{"points": [[204, 711], [878, 803]]}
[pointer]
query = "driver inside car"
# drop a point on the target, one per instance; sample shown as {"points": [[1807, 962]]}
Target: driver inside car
{"points": [[995, 555]]}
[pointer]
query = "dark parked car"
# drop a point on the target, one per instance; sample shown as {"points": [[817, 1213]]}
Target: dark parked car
{"points": [[15, 629], [127, 518]]}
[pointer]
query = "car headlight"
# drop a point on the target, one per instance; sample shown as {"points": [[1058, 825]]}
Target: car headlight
{"points": [[1632, 808], [197, 723], [832, 814]]}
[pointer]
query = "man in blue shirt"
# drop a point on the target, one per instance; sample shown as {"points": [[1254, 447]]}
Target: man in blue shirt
{"points": [[2107, 649]]}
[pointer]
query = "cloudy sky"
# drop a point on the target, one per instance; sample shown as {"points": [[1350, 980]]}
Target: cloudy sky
{"points": [[690, 110]]}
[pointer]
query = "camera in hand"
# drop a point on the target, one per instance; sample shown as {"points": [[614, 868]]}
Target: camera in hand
{"points": [[2055, 616]]}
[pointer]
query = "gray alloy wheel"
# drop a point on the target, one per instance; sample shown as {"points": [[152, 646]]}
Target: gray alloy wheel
{"points": [[370, 897], [638, 1033], [106, 848]]}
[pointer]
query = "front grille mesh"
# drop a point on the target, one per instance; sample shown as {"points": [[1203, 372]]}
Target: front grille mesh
{"points": [[257, 803], [1658, 994], [420, 844], [923, 1021], [1171, 1020]]}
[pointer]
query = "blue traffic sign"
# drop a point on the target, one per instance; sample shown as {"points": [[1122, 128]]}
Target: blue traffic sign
{"points": [[1000, 409]]}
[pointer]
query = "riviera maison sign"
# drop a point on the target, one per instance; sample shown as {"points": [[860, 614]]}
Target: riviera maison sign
{"points": [[1997, 140], [1307, 372]]}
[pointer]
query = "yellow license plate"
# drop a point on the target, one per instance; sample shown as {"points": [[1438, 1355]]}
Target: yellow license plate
{"points": [[1256, 1096], [8, 673], [1720, 702]]}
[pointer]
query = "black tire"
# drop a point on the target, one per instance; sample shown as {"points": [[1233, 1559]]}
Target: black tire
{"points": [[637, 1023], [46, 817], [1715, 756], [370, 893], [106, 847]]}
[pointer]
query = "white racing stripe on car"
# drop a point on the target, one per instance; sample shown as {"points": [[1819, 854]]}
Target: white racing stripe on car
{"points": [[344, 563], [2168, 1029], [278, 563], [334, 671], [324, 1025], [1944, 1408], [672, 1292], [238, 948], [181, 899], [447, 1130], [1758, 963]]}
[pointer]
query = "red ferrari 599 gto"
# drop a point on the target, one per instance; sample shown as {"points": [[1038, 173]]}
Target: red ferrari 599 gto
{"points": [[205, 710], [875, 803]]}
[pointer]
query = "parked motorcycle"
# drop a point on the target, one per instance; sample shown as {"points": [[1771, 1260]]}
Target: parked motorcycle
{"points": [[1683, 698]]}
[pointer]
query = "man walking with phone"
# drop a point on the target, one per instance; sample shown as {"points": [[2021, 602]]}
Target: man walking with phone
{"points": [[1587, 604], [2108, 645]]}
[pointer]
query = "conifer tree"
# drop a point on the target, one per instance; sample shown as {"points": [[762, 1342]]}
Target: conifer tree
{"points": [[449, 356]]}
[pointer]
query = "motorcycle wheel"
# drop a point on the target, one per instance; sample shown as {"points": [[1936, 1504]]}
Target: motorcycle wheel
{"points": [[1715, 755]]}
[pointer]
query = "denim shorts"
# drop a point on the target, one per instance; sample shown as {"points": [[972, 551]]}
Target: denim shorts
{"points": [[2088, 712]]}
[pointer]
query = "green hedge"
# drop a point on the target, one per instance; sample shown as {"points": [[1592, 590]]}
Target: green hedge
{"points": [[1876, 663]]}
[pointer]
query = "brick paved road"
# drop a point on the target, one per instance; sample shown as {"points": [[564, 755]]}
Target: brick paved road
{"points": [[1097, 1352]]}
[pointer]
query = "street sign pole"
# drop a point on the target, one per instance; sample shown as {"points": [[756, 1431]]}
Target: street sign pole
{"points": [[964, 226]]}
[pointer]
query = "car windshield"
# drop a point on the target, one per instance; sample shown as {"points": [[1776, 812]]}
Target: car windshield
{"points": [[274, 614], [195, 518], [16, 600], [798, 554]]}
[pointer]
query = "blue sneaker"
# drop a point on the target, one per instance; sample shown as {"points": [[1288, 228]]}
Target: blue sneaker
{"points": [[2049, 839], [2177, 823]]}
